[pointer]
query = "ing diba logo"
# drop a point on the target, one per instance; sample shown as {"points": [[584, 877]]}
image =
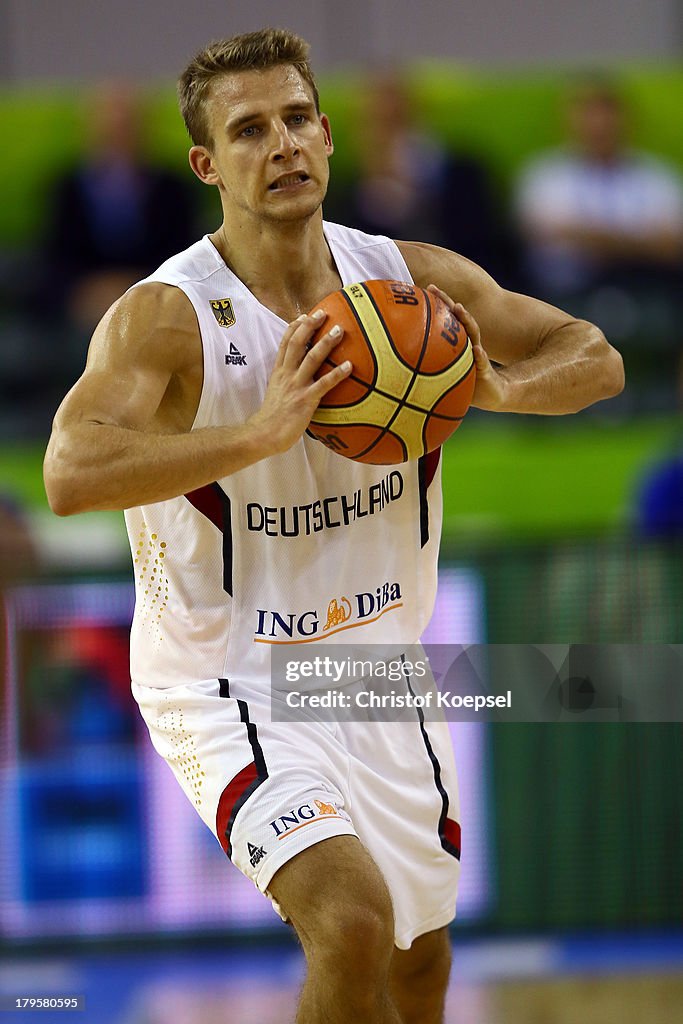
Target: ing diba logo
{"points": [[300, 627]]}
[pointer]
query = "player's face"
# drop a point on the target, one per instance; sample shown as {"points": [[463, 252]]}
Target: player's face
{"points": [[270, 148]]}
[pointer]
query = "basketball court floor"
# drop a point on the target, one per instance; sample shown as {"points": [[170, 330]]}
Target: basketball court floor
{"points": [[583, 980]]}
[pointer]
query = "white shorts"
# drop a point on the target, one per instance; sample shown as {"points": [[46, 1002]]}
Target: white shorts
{"points": [[269, 790]]}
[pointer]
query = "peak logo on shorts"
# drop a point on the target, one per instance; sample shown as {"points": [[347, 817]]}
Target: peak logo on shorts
{"points": [[297, 817], [278, 627], [256, 854]]}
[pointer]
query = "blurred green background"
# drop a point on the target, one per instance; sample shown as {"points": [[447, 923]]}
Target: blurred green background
{"points": [[501, 116]]}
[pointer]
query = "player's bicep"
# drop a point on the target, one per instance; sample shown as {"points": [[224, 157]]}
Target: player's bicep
{"points": [[127, 398]]}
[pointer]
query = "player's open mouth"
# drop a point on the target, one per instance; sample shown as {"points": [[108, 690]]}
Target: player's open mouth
{"points": [[288, 181]]}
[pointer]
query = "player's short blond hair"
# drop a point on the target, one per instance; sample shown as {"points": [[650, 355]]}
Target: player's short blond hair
{"points": [[253, 51]]}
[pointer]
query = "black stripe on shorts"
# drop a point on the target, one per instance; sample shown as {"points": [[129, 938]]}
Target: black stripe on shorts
{"points": [[446, 825]]}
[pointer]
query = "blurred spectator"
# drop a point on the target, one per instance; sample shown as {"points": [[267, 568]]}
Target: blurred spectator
{"points": [[116, 217], [19, 561], [18, 552], [659, 490], [598, 213], [409, 186], [659, 507]]}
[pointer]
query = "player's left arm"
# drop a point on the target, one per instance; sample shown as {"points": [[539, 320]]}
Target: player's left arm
{"points": [[531, 357]]}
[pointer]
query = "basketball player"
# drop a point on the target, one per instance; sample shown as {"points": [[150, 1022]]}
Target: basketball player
{"points": [[191, 416]]}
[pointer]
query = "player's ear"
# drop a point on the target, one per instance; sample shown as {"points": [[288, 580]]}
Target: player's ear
{"points": [[201, 163], [327, 128]]}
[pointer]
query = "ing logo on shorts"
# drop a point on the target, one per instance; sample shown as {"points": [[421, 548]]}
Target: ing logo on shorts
{"points": [[306, 814]]}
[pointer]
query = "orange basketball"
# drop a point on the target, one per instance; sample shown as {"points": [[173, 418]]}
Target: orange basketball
{"points": [[412, 379]]}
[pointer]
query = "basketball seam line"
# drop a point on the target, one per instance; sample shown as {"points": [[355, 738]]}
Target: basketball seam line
{"points": [[437, 415], [402, 402], [407, 405], [357, 380], [375, 367]]}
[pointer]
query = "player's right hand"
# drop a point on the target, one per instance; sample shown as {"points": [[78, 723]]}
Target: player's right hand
{"points": [[293, 394]]}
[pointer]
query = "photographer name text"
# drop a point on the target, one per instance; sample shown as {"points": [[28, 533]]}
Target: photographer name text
{"points": [[365, 699]]}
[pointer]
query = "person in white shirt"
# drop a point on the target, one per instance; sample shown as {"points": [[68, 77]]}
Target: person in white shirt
{"points": [[596, 211]]}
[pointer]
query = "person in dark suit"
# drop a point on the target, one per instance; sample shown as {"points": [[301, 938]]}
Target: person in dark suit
{"points": [[410, 185], [115, 215]]}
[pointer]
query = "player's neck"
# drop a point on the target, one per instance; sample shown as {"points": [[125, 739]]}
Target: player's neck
{"points": [[288, 267]]}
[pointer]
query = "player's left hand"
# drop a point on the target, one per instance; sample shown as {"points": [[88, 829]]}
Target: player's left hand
{"points": [[490, 389]]}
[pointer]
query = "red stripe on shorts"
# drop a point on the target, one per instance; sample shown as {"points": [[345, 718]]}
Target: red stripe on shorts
{"points": [[231, 795], [451, 833]]}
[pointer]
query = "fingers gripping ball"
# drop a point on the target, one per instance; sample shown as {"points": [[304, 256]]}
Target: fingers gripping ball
{"points": [[412, 379]]}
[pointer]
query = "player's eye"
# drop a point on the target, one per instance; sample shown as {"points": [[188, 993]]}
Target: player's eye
{"points": [[249, 131], [298, 119]]}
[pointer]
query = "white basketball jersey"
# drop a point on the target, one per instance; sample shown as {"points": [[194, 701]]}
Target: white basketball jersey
{"points": [[306, 546]]}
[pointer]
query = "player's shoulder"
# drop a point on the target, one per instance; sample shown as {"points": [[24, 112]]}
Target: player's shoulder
{"points": [[152, 305], [153, 323], [429, 263], [353, 239], [195, 264]]}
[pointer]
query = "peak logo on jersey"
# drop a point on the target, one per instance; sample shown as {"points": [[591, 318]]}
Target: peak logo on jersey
{"points": [[337, 613], [277, 627], [223, 311], [235, 357], [306, 814], [256, 854]]}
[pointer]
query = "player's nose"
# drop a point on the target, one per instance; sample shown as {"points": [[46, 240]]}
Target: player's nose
{"points": [[283, 144]]}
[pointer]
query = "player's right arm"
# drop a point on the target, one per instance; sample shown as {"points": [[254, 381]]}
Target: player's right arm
{"points": [[122, 436]]}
